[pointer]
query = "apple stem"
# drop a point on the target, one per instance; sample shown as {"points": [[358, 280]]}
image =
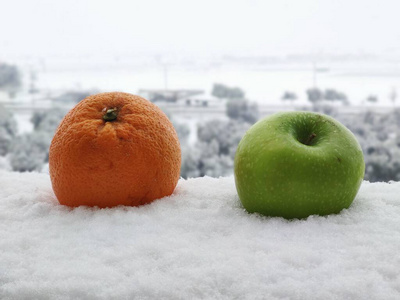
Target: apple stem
{"points": [[310, 138]]}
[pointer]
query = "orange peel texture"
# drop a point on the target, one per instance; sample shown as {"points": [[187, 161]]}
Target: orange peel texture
{"points": [[130, 160]]}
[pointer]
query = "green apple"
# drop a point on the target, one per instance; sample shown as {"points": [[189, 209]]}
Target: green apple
{"points": [[297, 164]]}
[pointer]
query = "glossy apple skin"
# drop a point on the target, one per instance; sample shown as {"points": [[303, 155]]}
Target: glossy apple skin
{"points": [[277, 174]]}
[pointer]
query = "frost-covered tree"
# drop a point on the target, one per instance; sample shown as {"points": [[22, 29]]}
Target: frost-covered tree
{"points": [[289, 96], [29, 151], [205, 159], [48, 120], [325, 108], [334, 95], [380, 140], [182, 130], [10, 79], [190, 167], [314, 95], [242, 110], [219, 90], [235, 93], [223, 91], [372, 99], [8, 130], [214, 152], [393, 96], [227, 134]]}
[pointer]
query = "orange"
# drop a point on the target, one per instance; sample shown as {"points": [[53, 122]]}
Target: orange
{"points": [[114, 149]]}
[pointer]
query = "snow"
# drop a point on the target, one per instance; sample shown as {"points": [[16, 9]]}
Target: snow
{"points": [[197, 243], [263, 82], [24, 122]]}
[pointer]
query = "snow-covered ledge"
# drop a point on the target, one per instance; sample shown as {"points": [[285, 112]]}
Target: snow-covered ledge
{"points": [[198, 243]]}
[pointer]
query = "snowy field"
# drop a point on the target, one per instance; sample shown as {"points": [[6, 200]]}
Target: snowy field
{"points": [[197, 244], [264, 83]]}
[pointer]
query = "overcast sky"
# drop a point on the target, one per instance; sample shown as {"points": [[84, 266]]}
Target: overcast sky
{"points": [[199, 27]]}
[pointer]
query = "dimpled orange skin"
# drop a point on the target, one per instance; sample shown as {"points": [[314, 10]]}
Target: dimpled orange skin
{"points": [[131, 161]]}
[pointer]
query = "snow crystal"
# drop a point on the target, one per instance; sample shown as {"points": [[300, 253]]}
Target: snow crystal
{"points": [[197, 243]]}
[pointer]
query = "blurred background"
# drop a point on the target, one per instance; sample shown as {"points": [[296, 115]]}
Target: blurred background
{"points": [[215, 68]]}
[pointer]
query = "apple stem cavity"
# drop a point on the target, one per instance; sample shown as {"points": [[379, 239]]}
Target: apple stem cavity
{"points": [[310, 139]]}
